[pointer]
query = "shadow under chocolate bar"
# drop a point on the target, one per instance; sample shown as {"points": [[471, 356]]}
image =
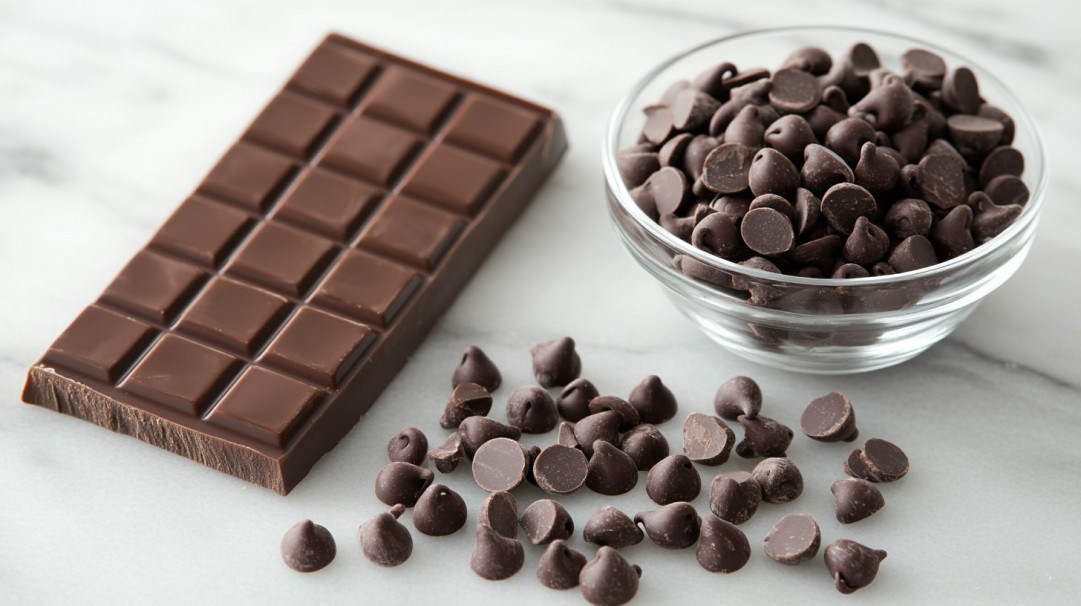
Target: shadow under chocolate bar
{"points": [[270, 311]]}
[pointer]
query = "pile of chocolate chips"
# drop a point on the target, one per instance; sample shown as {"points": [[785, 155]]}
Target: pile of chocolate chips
{"points": [[610, 442], [835, 169]]}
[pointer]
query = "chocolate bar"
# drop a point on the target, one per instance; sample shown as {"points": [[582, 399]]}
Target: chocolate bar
{"points": [[269, 312]]}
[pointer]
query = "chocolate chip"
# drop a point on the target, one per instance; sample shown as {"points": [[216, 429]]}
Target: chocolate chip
{"points": [[658, 125], [477, 367], [611, 527], [772, 172], [767, 231], [810, 59], [560, 469], [823, 168], [849, 271], [822, 118], [545, 521], [500, 513], [952, 235], [1003, 160], [611, 471], [990, 219], [531, 454], [746, 128], [855, 467], [653, 400], [887, 107], [829, 418], [877, 170], [560, 566], [608, 580], [706, 439], [408, 445], [307, 547], [794, 91], [403, 483], [1007, 189], [941, 178], [475, 431], [763, 437], [673, 151], [467, 400], [645, 445], [780, 479], [884, 460], [722, 547], [643, 198], [835, 98], [726, 168], [974, 136], [573, 402], [852, 565], [807, 209], [384, 540], [500, 465], [960, 91], [556, 363], [628, 414], [695, 155], [867, 243], [692, 109], [712, 81], [565, 436], [734, 496], [439, 512], [908, 217], [496, 557], [819, 252], [532, 410], [847, 138], [1008, 127], [601, 426], [914, 252], [672, 526], [789, 135], [448, 455], [738, 396], [636, 166], [669, 190], [855, 499], [793, 540], [926, 67], [672, 479], [844, 203], [718, 234]]}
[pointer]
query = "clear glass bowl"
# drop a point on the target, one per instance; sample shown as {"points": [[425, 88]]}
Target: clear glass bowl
{"points": [[817, 325]]}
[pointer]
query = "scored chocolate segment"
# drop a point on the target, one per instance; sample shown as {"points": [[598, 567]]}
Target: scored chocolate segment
{"points": [[274, 306]]}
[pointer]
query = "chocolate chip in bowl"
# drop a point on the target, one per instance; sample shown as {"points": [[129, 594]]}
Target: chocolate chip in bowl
{"points": [[841, 211]]}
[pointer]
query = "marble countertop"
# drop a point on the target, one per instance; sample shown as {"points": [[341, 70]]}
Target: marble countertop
{"points": [[111, 111]]}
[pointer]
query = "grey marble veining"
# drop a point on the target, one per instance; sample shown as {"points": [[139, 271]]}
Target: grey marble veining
{"points": [[111, 112]]}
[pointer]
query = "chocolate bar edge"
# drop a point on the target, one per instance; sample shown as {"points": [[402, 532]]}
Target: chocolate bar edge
{"points": [[75, 396]]}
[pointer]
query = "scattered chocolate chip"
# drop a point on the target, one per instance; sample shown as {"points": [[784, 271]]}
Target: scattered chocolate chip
{"points": [[722, 547], [477, 367], [658, 125], [767, 231], [628, 414], [1008, 127], [674, 150], [926, 67], [952, 234], [307, 547], [636, 166], [446, 457], [829, 418], [545, 521], [672, 526], [855, 467], [990, 219], [496, 557], [960, 91], [673, 479], [789, 135], [695, 155], [877, 170], [671, 193], [844, 203], [712, 81], [974, 136], [855, 499], [439, 512], [1003, 160], [608, 580], [941, 178], [475, 431], [384, 540], [726, 168], [734, 496], [653, 400], [887, 107], [692, 109], [1007, 189], [763, 437], [645, 445], [556, 363], [573, 402], [532, 410], [531, 457], [403, 483], [847, 138], [852, 565], [884, 460], [780, 479], [601, 426], [611, 471], [560, 566], [914, 252], [738, 396], [500, 465], [822, 118], [867, 243], [408, 445], [467, 400], [611, 527], [823, 168], [500, 513], [706, 439], [794, 91], [908, 217], [810, 59], [793, 540], [718, 234], [566, 436], [560, 469], [746, 128]]}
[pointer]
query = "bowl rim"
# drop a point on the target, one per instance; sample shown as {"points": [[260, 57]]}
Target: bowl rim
{"points": [[1023, 119]]}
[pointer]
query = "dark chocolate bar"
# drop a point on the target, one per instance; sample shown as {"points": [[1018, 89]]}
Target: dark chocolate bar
{"points": [[270, 311]]}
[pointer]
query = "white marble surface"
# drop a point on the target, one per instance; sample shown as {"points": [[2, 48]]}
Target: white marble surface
{"points": [[111, 111]]}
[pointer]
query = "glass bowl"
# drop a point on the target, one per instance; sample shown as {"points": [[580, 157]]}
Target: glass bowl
{"points": [[817, 325]]}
